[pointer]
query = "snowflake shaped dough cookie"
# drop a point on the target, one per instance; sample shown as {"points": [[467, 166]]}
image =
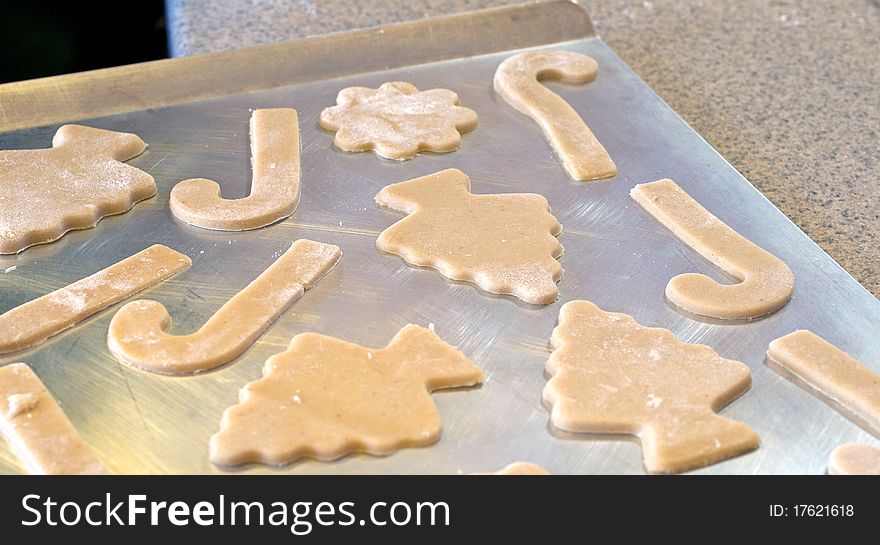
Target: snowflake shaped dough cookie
{"points": [[398, 121], [72, 185]]}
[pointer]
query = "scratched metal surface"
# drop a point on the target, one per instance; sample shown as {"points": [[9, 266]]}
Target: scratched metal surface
{"points": [[615, 255]]}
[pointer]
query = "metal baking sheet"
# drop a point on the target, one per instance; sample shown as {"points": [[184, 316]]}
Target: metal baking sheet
{"points": [[615, 255]]}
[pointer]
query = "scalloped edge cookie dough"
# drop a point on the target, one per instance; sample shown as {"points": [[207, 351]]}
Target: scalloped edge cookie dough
{"points": [[35, 321], [505, 243], [397, 121], [766, 283], [137, 334], [325, 398], [275, 185], [609, 374], [72, 185], [37, 428], [517, 80]]}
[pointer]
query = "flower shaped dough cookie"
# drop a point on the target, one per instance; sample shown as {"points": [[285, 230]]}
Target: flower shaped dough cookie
{"points": [[398, 121]]}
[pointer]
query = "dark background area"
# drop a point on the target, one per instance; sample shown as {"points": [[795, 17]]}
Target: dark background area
{"points": [[43, 38]]}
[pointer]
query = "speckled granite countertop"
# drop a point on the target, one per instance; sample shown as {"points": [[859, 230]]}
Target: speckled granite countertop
{"points": [[787, 90]]}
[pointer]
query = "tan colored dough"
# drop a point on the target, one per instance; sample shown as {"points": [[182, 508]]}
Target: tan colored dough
{"points": [[766, 282], [397, 121], [517, 80], [35, 321], [137, 333], [504, 243], [38, 430], [519, 468], [48, 192], [831, 371], [612, 375], [325, 398], [275, 152], [854, 459]]}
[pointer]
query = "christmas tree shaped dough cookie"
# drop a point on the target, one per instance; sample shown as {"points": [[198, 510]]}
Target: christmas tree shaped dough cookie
{"points": [[854, 459], [72, 185], [612, 375], [398, 121], [504, 243], [38, 430], [325, 398]]}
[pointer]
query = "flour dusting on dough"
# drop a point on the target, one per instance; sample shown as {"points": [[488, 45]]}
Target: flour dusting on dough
{"points": [[610, 374], [72, 185], [20, 403], [41, 318], [397, 121]]}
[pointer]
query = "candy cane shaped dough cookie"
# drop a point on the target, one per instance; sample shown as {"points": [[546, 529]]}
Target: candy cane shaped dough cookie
{"points": [[517, 80], [854, 459], [274, 189], [38, 430], [137, 332], [35, 321], [832, 372], [518, 468], [766, 282]]}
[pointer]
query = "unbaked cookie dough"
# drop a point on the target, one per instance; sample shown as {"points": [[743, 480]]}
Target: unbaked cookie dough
{"points": [[854, 459], [38, 430], [504, 243], [766, 282], [517, 81], [612, 375], [81, 179], [137, 333], [397, 121], [832, 372], [35, 321], [325, 398], [519, 468], [275, 152]]}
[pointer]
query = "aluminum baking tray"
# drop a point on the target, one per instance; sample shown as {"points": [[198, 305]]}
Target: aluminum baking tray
{"points": [[194, 114]]}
